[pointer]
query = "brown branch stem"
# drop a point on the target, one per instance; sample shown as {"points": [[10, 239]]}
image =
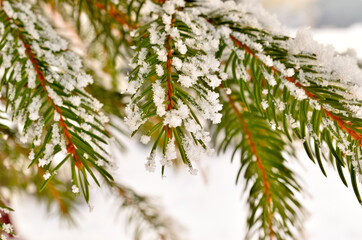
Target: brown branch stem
{"points": [[169, 75], [120, 17], [259, 162], [43, 82]]}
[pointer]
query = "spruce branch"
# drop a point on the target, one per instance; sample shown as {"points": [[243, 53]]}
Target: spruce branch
{"points": [[14, 159], [275, 213], [297, 86], [45, 78], [274, 89], [181, 76], [260, 166], [277, 80], [44, 84], [106, 27], [109, 96], [340, 122], [144, 215]]}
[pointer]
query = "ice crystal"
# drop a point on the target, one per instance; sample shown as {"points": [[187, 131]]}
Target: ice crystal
{"points": [[190, 71], [8, 228], [75, 189], [179, 87], [46, 175], [145, 139]]}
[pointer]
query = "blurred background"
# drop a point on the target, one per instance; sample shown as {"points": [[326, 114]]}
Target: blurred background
{"points": [[314, 13], [209, 206]]}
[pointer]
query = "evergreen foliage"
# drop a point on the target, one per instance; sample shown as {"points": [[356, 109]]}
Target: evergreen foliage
{"points": [[201, 75]]}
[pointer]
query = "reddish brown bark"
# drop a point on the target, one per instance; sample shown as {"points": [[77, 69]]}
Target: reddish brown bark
{"points": [[259, 163], [43, 83]]}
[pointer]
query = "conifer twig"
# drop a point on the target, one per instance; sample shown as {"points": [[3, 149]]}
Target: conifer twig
{"points": [[260, 165], [341, 123], [43, 82]]}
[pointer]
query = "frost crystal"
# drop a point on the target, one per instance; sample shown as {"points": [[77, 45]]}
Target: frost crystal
{"points": [[133, 119], [280, 105], [31, 155], [171, 151], [292, 121], [75, 189], [190, 73], [151, 164], [7, 227], [159, 98], [176, 88], [177, 63], [46, 175], [159, 70], [186, 81], [56, 83], [145, 139], [264, 104], [34, 108]]}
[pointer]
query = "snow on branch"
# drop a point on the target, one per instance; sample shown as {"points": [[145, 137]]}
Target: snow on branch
{"points": [[190, 52], [296, 82], [325, 83], [43, 84], [172, 82]]}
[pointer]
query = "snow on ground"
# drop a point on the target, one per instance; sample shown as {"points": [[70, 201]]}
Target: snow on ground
{"points": [[209, 210]]}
